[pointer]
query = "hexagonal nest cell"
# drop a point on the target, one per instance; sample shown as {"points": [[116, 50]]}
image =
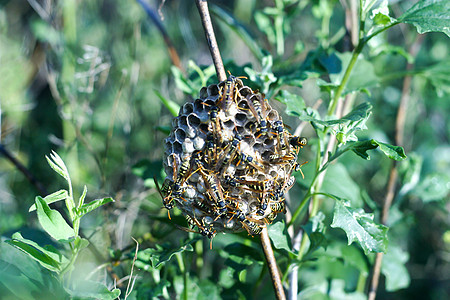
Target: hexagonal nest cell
{"points": [[229, 160]]}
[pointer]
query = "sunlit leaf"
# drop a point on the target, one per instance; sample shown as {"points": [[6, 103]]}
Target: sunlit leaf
{"points": [[87, 289], [294, 103], [173, 107], [279, 236], [360, 227], [57, 164], [54, 197], [50, 260], [429, 15], [154, 257], [361, 148], [88, 207], [393, 267], [52, 221]]}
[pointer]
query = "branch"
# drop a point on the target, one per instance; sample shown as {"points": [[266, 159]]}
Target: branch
{"points": [[29, 176], [202, 6], [172, 51], [272, 264], [393, 175]]}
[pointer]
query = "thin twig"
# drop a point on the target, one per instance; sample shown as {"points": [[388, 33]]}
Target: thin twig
{"points": [[28, 175], [172, 51], [202, 6], [393, 175], [272, 264]]}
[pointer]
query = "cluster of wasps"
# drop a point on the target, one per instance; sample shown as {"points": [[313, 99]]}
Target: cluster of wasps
{"points": [[229, 160]]}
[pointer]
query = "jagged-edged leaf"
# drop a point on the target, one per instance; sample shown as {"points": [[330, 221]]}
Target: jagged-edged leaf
{"points": [[359, 226], [279, 236], [439, 77], [294, 103], [87, 289], [361, 148], [380, 14], [54, 197], [393, 267], [429, 15], [48, 257], [52, 221], [88, 207], [173, 107], [154, 257]]}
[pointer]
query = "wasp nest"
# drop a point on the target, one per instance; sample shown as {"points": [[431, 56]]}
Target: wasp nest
{"points": [[229, 160]]}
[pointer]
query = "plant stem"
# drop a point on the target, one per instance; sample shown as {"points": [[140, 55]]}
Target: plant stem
{"points": [[185, 277], [202, 6], [393, 175], [272, 264]]}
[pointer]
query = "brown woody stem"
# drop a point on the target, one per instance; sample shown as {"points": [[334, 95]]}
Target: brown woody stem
{"points": [[202, 6], [272, 264]]}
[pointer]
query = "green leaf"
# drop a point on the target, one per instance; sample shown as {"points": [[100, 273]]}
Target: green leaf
{"points": [[57, 164], [434, 187], [87, 289], [393, 267], [361, 148], [439, 77], [52, 221], [380, 15], [80, 243], [279, 236], [338, 182], [164, 129], [173, 107], [48, 258], [88, 207], [159, 255], [54, 197], [359, 226], [429, 15], [82, 197], [294, 103]]}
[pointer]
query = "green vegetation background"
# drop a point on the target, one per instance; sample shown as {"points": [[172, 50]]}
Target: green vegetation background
{"points": [[85, 78]]}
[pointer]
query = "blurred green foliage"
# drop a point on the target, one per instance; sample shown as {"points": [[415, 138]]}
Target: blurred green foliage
{"points": [[93, 80]]}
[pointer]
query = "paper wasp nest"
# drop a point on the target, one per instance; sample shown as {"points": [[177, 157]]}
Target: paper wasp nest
{"points": [[229, 160]]}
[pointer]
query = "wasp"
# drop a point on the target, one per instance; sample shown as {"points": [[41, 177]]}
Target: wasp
{"points": [[165, 192], [232, 146], [211, 148], [298, 142], [262, 206], [250, 160], [192, 221], [230, 92], [202, 229], [259, 186], [279, 129], [251, 227], [212, 184], [258, 112]]}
